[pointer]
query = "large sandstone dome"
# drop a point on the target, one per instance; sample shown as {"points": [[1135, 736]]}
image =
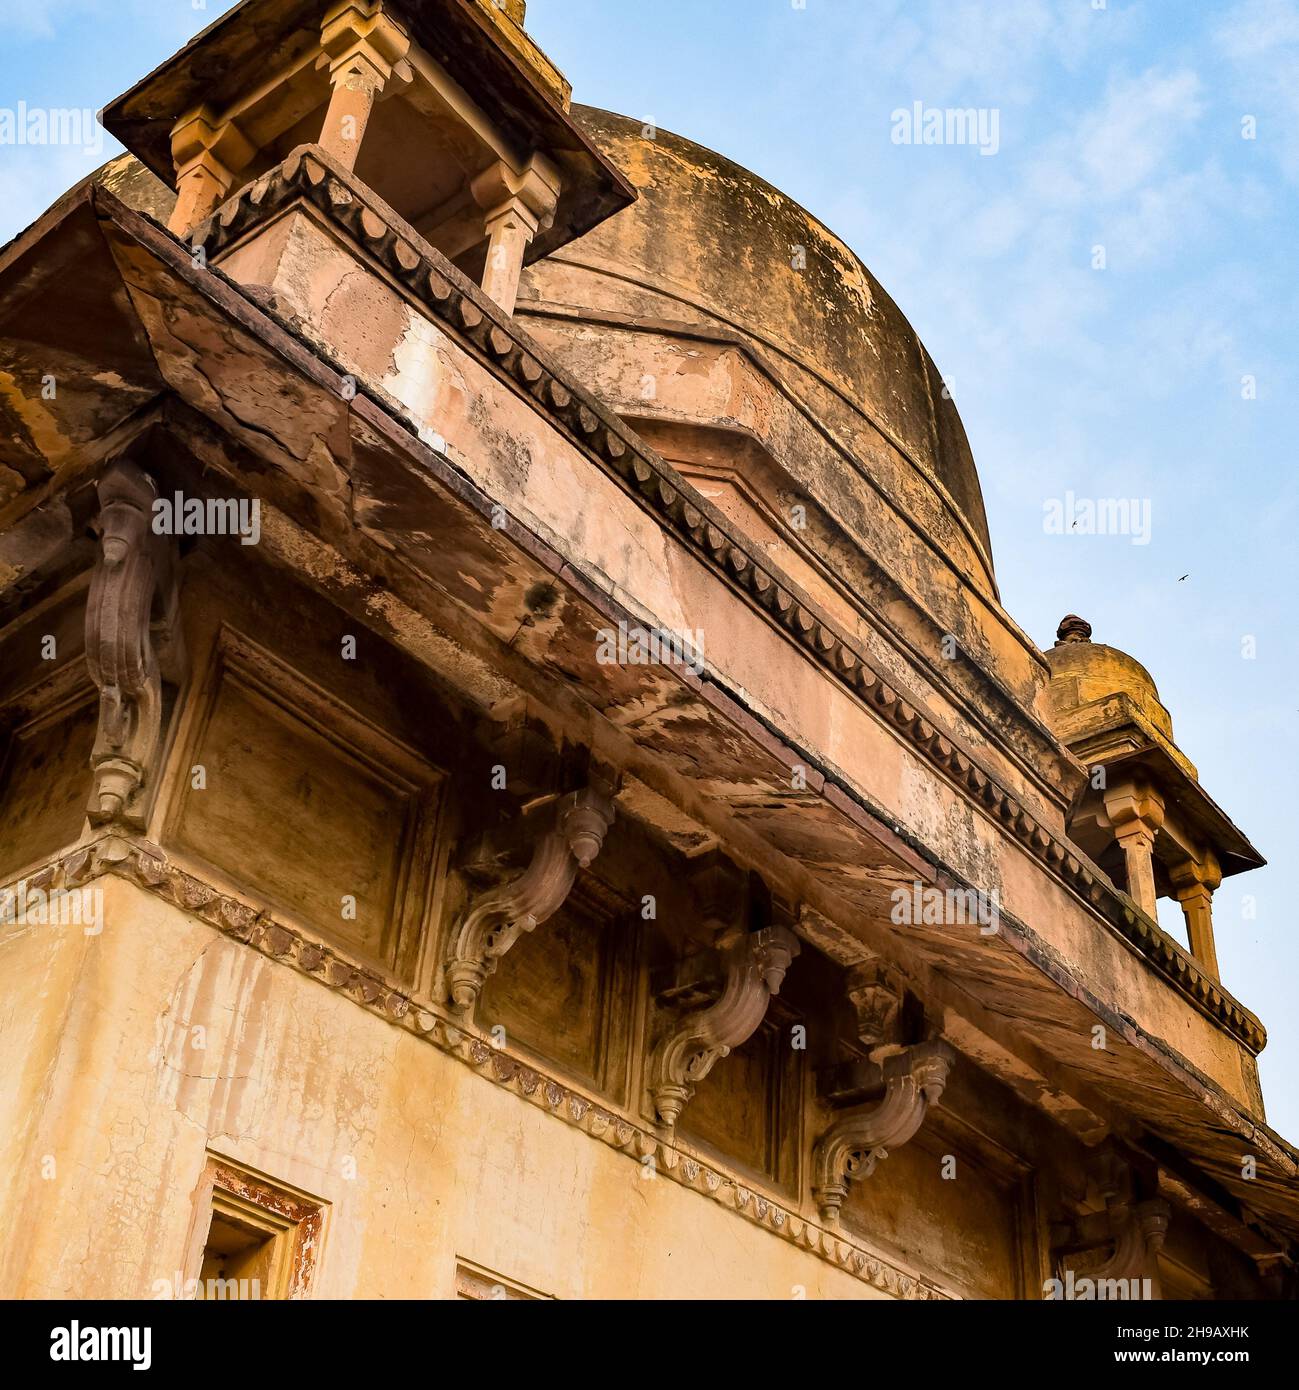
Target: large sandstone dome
{"points": [[711, 245]]}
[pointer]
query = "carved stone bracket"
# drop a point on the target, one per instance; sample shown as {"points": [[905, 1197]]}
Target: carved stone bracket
{"points": [[913, 1079], [755, 965], [132, 606], [496, 918], [1121, 1242]]}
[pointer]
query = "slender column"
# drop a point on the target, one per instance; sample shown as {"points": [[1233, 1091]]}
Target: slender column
{"points": [[355, 88], [208, 153], [516, 206], [200, 190], [1136, 812], [363, 47], [508, 238], [1195, 884]]}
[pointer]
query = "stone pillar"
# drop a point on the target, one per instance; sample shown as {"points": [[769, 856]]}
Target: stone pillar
{"points": [[1136, 812], [516, 207], [1195, 883], [363, 47], [209, 154]]}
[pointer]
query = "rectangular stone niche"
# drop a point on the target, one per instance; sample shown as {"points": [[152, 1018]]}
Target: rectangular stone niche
{"points": [[45, 741], [296, 798], [253, 1238], [565, 993]]}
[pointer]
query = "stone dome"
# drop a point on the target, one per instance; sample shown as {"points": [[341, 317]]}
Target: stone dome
{"points": [[712, 245], [1083, 671]]}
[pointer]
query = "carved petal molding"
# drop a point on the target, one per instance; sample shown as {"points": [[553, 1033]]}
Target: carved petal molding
{"points": [[913, 1079], [755, 970], [132, 599], [494, 921]]}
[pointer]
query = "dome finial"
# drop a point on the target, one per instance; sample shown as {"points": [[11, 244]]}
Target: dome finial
{"points": [[1073, 629]]}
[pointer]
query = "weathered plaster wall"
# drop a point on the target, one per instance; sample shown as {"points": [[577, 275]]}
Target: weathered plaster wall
{"points": [[301, 1084]]}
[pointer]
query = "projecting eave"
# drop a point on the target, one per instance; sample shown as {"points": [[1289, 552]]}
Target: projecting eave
{"points": [[358, 506], [1115, 733], [525, 97]]}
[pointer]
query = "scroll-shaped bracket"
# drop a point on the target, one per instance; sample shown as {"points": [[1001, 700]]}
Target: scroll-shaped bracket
{"points": [[1138, 1233], [913, 1079], [131, 623], [496, 918], [755, 964], [1116, 1247], [1123, 1241]]}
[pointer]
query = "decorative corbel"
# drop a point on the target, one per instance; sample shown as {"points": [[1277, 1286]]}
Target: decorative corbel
{"points": [[912, 1079], [495, 920], [132, 606], [755, 965], [1123, 1241], [1137, 1232]]}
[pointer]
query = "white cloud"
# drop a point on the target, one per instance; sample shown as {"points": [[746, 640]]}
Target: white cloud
{"points": [[1135, 131], [1260, 41]]}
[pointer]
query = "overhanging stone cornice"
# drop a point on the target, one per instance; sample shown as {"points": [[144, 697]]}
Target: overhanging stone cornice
{"points": [[308, 176], [982, 699], [169, 263]]}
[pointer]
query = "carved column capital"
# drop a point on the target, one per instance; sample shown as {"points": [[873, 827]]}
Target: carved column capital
{"points": [[496, 918], [362, 36], [516, 204], [1136, 812], [365, 51], [755, 964], [208, 152], [132, 600], [1194, 883], [1192, 874], [913, 1080], [534, 190]]}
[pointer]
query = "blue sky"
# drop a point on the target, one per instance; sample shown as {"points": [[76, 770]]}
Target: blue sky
{"points": [[1168, 375]]}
